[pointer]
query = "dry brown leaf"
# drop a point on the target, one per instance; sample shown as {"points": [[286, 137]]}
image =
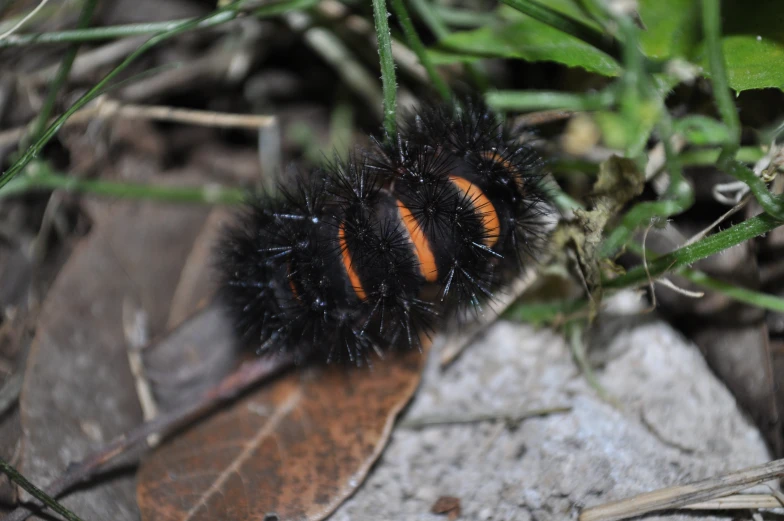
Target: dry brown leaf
{"points": [[78, 390], [187, 361], [198, 349], [294, 449], [196, 286]]}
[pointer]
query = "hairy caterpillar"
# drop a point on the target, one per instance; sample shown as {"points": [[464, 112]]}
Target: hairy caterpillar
{"points": [[370, 253]]}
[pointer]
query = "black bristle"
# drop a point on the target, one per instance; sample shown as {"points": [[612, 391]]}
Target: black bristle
{"points": [[374, 252]]}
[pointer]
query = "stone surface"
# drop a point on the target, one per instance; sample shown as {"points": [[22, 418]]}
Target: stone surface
{"points": [[673, 422]]}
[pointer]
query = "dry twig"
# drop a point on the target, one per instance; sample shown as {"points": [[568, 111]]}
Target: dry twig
{"points": [[542, 117], [684, 495], [508, 417], [738, 502], [108, 108]]}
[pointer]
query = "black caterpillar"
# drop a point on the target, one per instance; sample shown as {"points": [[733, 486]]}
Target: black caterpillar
{"points": [[372, 252]]}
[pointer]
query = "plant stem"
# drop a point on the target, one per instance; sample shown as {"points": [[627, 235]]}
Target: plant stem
{"points": [[748, 296], [388, 82], [709, 156], [754, 298], [62, 73], [89, 35], [547, 100], [40, 177], [413, 40], [772, 204], [36, 492], [711, 21], [686, 255]]}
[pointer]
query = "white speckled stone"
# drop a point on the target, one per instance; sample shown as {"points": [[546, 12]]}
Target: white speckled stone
{"points": [[674, 423]]}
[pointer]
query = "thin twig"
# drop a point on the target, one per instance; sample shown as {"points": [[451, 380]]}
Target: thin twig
{"points": [[464, 419], [663, 281], [698, 236], [87, 62], [107, 108], [534, 119], [230, 387], [24, 20], [194, 117], [680, 496], [685, 292]]}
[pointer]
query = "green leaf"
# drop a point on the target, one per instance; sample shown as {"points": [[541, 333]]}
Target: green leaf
{"points": [[760, 17], [565, 23], [529, 40], [672, 27], [566, 7], [543, 313], [752, 44], [441, 57], [613, 129], [753, 62]]}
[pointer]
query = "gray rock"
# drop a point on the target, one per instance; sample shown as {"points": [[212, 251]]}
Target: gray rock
{"points": [[674, 422]]}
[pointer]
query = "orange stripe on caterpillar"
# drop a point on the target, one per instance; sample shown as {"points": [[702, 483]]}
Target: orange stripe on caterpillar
{"points": [[490, 222], [291, 282], [496, 158], [427, 261], [356, 284]]}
